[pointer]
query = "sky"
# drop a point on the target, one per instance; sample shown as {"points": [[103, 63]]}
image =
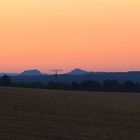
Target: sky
{"points": [[96, 35]]}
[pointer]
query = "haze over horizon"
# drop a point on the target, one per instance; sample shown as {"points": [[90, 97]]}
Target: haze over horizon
{"points": [[95, 35], [77, 70]]}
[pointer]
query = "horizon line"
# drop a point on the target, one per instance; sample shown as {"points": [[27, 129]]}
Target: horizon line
{"points": [[68, 71]]}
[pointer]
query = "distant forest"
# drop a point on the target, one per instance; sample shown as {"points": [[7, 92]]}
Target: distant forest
{"points": [[87, 85]]}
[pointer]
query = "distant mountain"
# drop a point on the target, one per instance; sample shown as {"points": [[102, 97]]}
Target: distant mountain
{"points": [[77, 72], [31, 72], [77, 77]]}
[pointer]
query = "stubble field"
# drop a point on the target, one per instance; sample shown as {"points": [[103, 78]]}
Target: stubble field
{"points": [[33, 114]]}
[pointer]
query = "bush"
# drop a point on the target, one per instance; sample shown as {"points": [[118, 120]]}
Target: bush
{"points": [[5, 80]]}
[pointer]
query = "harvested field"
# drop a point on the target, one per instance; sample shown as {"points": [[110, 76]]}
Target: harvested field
{"points": [[33, 114]]}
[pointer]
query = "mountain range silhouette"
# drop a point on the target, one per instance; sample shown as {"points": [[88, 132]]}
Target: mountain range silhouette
{"points": [[77, 75]]}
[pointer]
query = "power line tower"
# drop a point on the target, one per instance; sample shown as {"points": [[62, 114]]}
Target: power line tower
{"points": [[56, 73]]}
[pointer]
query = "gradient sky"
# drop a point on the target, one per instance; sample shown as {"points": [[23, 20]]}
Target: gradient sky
{"points": [[97, 35]]}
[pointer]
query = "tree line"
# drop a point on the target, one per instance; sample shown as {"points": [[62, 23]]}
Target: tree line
{"points": [[87, 85]]}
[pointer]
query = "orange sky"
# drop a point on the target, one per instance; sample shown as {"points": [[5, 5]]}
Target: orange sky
{"points": [[98, 35]]}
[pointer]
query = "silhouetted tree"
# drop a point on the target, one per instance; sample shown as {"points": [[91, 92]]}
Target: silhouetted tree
{"points": [[51, 85], [129, 86], [75, 86], [5, 80], [90, 85], [137, 87], [58, 85], [35, 85], [112, 85]]}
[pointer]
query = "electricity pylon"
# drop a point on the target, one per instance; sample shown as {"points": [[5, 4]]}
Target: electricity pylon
{"points": [[56, 73]]}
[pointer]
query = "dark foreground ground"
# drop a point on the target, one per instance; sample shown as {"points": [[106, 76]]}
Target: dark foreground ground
{"points": [[31, 114]]}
